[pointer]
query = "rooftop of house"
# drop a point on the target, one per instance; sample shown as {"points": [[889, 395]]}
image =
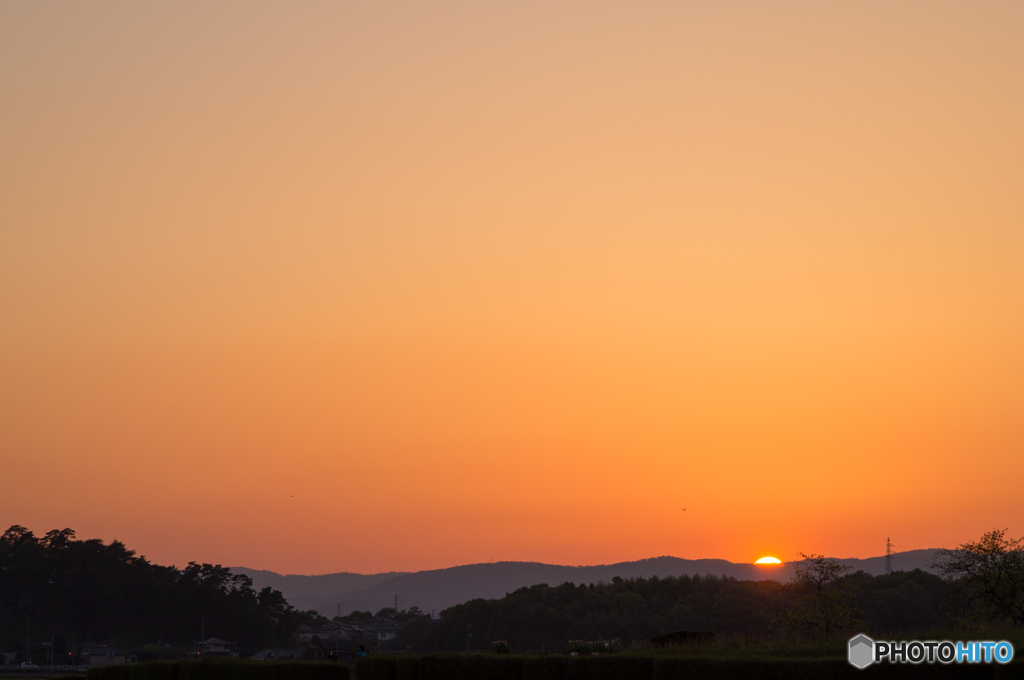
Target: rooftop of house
{"points": [[100, 649], [276, 653], [214, 641]]}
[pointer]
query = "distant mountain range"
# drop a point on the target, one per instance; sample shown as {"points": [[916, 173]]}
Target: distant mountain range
{"points": [[438, 589]]}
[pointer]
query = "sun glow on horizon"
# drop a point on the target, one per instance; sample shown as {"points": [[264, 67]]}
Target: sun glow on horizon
{"points": [[769, 560]]}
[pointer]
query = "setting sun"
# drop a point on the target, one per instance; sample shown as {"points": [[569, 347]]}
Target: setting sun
{"points": [[769, 560]]}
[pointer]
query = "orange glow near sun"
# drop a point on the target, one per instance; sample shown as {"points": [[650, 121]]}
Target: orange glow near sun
{"points": [[769, 560]]}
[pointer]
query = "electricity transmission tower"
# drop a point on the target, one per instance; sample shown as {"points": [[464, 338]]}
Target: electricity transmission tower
{"points": [[889, 556]]}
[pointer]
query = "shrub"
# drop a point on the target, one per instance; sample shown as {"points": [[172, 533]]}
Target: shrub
{"points": [[376, 667], [592, 646]]}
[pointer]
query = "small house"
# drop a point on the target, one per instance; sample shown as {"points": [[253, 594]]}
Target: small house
{"points": [[101, 655], [215, 647]]}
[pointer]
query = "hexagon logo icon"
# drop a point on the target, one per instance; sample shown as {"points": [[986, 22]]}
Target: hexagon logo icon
{"points": [[862, 651]]}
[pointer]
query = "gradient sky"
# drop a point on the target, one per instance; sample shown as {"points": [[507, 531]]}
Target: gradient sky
{"points": [[325, 286]]}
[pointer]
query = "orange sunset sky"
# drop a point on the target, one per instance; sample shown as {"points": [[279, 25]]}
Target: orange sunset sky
{"points": [[326, 286]]}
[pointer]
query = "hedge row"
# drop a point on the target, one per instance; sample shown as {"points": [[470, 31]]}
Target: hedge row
{"points": [[623, 666], [222, 669], [642, 667]]}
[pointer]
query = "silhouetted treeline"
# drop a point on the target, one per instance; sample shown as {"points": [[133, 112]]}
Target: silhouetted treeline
{"points": [[543, 617], [60, 588], [57, 587]]}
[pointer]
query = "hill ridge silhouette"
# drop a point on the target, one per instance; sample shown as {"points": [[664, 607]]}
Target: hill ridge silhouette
{"points": [[438, 589]]}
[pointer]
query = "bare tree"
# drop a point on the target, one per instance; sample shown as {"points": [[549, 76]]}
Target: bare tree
{"points": [[826, 606], [989, 574]]}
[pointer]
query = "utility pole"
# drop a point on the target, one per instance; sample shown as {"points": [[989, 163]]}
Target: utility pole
{"points": [[889, 556]]}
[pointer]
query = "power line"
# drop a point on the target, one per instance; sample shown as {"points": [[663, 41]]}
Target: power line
{"points": [[889, 556]]}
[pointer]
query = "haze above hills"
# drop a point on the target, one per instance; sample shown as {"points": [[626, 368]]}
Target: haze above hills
{"points": [[437, 589]]}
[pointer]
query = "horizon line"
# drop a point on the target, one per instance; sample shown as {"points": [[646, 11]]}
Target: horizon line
{"points": [[576, 566]]}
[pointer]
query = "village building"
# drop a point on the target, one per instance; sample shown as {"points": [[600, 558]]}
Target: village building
{"points": [[215, 647], [101, 655]]}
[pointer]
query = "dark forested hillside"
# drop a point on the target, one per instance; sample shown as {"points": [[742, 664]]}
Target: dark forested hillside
{"points": [[60, 588], [542, 617]]}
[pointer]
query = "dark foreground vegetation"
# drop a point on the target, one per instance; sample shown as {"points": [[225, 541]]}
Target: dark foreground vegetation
{"points": [[223, 669], [650, 666], [624, 666], [981, 584], [545, 618], [59, 589]]}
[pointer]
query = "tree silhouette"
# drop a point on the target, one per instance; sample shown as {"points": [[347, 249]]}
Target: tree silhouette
{"points": [[989, 575], [825, 605]]}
